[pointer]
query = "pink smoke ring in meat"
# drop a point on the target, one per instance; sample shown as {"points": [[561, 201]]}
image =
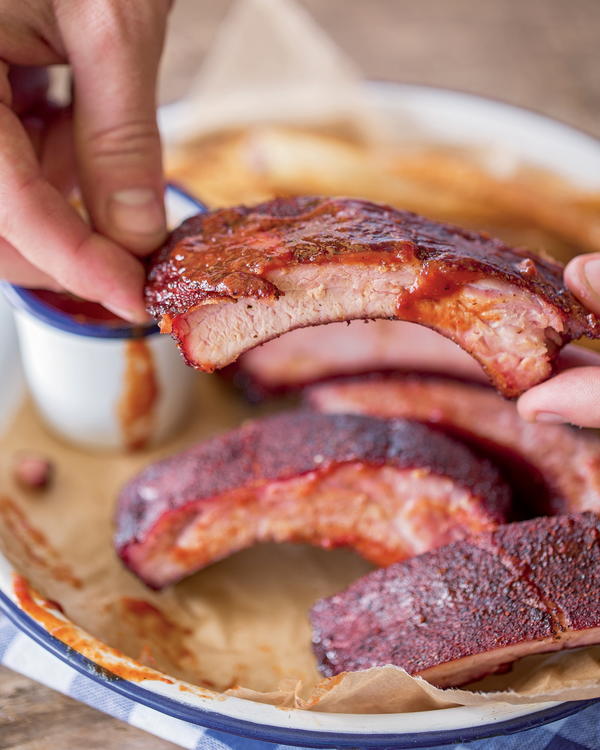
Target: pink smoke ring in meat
{"points": [[469, 609], [236, 277], [388, 488], [552, 469]]}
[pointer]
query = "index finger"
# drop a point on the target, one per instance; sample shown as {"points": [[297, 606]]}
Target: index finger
{"points": [[115, 65], [572, 396], [36, 219], [582, 276]]}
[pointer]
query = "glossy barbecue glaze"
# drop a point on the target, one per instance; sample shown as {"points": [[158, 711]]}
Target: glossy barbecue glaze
{"points": [[308, 260]]}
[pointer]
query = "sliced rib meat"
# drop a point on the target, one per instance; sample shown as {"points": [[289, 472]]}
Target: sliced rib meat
{"points": [[357, 347], [237, 277], [552, 468], [456, 614], [388, 488]]}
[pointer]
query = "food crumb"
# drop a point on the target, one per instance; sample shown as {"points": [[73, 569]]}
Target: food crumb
{"points": [[527, 268], [32, 471]]}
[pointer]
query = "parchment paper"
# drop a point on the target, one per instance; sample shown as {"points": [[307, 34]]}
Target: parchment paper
{"points": [[241, 625]]}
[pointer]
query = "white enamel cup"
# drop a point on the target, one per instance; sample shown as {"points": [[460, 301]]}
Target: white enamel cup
{"points": [[76, 371]]}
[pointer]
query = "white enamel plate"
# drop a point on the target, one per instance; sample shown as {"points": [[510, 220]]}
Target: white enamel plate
{"points": [[443, 116]]}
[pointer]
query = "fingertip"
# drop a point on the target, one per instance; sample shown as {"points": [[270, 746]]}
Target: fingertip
{"points": [[136, 218], [582, 276], [574, 274], [122, 290], [542, 404], [524, 407], [542, 416], [548, 417], [571, 397], [103, 272], [135, 315]]}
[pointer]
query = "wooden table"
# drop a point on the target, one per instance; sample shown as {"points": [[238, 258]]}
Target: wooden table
{"points": [[540, 54]]}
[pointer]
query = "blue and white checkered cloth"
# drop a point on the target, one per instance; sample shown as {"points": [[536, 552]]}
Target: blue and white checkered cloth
{"points": [[19, 653]]}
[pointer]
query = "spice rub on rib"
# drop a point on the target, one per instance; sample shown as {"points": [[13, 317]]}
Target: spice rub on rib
{"points": [[456, 614], [233, 278], [551, 468], [388, 488]]}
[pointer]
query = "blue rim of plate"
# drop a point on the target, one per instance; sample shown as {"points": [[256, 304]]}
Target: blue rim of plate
{"points": [[25, 299], [269, 733]]}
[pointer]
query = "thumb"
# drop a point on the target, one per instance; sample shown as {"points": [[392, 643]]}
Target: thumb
{"points": [[114, 49], [572, 396], [582, 276]]}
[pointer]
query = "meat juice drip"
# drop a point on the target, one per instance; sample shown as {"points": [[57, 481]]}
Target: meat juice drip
{"points": [[137, 404]]}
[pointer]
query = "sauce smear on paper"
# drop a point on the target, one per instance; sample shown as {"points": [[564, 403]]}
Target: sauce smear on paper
{"points": [[46, 613], [35, 545]]}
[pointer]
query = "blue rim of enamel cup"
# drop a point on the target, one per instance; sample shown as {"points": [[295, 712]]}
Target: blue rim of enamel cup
{"points": [[26, 300]]}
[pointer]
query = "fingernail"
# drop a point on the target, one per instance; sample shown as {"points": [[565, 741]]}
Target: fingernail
{"points": [[591, 271], [137, 210], [131, 316], [550, 417]]}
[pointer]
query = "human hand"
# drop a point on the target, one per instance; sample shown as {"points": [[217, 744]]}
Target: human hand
{"points": [[574, 394], [107, 144]]}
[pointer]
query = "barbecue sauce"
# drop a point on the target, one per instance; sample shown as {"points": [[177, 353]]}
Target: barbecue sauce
{"points": [[433, 285], [48, 615], [137, 405], [81, 310]]}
